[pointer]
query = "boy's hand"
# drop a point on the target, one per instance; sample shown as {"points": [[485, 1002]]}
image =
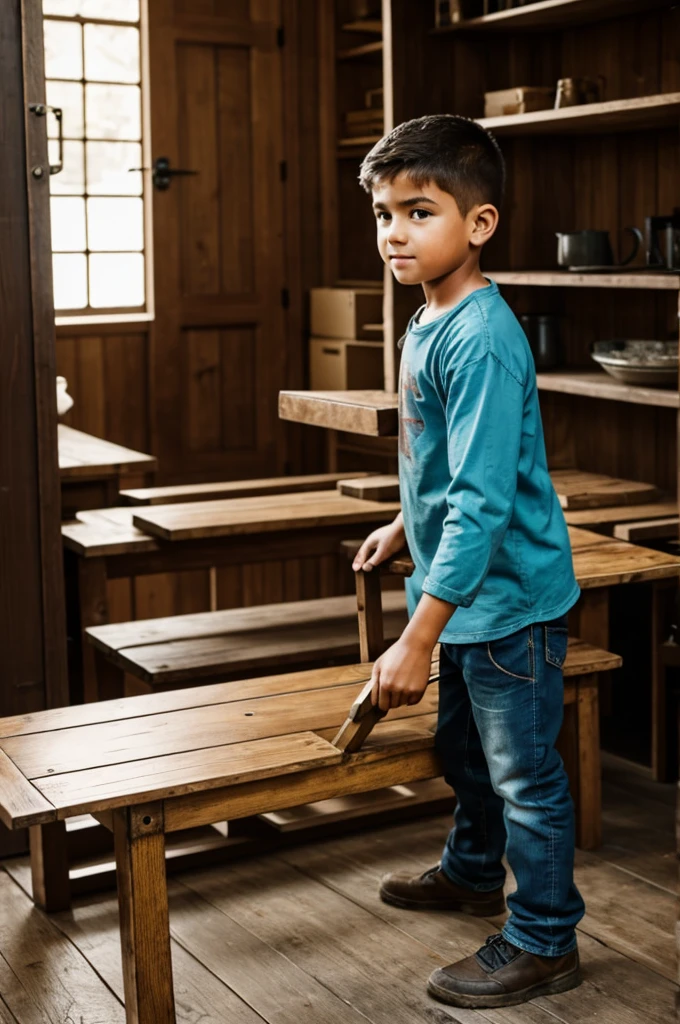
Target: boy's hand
{"points": [[401, 674], [380, 545]]}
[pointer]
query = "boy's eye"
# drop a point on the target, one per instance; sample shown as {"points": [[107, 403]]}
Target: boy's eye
{"points": [[418, 214], [382, 215]]}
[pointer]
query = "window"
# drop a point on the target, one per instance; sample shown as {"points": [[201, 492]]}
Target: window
{"points": [[93, 73]]}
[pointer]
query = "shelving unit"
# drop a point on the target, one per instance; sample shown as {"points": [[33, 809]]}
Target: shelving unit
{"points": [[602, 165]]}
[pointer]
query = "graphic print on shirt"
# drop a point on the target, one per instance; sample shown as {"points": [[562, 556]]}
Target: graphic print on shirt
{"points": [[410, 423]]}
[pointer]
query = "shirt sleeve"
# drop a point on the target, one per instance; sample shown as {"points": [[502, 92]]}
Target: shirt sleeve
{"points": [[484, 415]]}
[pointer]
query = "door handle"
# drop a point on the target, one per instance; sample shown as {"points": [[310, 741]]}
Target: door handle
{"points": [[162, 173], [41, 110]]}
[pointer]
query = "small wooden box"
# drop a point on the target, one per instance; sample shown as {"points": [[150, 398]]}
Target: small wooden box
{"points": [[345, 365], [522, 99], [342, 312]]}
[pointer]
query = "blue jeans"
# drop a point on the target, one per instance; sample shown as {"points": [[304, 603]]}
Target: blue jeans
{"points": [[500, 711]]}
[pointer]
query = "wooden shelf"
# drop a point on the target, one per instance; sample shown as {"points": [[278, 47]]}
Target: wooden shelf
{"points": [[369, 26], [358, 147], [637, 114], [598, 384], [648, 280], [355, 52], [551, 14]]}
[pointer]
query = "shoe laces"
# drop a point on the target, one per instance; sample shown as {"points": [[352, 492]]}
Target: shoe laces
{"points": [[496, 952]]}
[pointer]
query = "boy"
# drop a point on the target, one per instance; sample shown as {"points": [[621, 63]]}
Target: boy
{"points": [[493, 576]]}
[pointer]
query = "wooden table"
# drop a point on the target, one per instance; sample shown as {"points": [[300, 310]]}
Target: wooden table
{"points": [[105, 544], [91, 469], [149, 766]]}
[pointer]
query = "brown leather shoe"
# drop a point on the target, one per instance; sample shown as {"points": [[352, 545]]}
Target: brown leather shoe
{"points": [[434, 891], [500, 974]]}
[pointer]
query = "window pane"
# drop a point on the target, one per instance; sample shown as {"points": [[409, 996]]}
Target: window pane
{"points": [[115, 224], [113, 112], [116, 280], [109, 168], [70, 281], [71, 180], [113, 10], [63, 49], [111, 53], [68, 224], [68, 96]]}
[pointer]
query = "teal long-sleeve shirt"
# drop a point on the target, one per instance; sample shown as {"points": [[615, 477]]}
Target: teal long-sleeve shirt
{"points": [[482, 520]]}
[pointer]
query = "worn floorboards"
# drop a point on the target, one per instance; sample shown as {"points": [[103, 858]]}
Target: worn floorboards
{"points": [[300, 937]]}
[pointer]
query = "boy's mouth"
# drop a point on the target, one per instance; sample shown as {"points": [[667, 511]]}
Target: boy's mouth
{"points": [[397, 257]]}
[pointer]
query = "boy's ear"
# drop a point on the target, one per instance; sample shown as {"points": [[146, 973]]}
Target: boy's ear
{"points": [[483, 223]]}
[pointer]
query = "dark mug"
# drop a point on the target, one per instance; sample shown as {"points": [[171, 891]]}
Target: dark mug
{"points": [[543, 334], [591, 248]]}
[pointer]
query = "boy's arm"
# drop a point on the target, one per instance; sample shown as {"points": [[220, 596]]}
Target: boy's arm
{"points": [[484, 416]]}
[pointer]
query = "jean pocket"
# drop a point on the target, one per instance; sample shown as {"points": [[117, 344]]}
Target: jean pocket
{"points": [[514, 655], [556, 639]]}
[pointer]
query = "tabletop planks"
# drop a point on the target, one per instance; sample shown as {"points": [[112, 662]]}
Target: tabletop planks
{"points": [[176, 774], [578, 490], [82, 455], [358, 412], [238, 516]]}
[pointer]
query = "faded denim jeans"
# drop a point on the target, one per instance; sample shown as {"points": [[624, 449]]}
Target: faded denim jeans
{"points": [[500, 711]]}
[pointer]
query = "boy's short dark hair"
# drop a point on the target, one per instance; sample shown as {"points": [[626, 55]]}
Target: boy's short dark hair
{"points": [[455, 153]]}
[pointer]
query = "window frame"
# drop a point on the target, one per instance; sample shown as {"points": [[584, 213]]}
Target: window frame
{"points": [[116, 314]]}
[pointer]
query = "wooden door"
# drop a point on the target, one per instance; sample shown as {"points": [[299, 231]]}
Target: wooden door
{"points": [[218, 346]]}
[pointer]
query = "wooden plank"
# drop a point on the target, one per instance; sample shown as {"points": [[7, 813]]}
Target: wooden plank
{"points": [[636, 114], [358, 412], [239, 516], [234, 488], [598, 384], [302, 788], [577, 490], [614, 514], [86, 456], [549, 14], [118, 635], [20, 803], [144, 918], [258, 649], [114, 743], [645, 280], [92, 541], [374, 488], [622, 563], [640, 531], [192, 771], [80, 715]]}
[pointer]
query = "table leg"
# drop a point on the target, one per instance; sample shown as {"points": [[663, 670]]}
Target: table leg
{"points": [[369, 606], [664, 594], [94, 611], [49, 866], [144, 919], [589, 821], [110, 682], [593, 628]]}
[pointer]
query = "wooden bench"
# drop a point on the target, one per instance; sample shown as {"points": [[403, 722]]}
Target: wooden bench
{"points": [[579, 741], [105, 545], [189, 650], [156, 764]]}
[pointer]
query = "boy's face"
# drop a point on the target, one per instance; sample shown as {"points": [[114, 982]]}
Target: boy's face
{"points": [[422, 236]]}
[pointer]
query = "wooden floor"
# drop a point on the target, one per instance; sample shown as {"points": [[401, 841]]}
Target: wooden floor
{"points": [[300, 937]]}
